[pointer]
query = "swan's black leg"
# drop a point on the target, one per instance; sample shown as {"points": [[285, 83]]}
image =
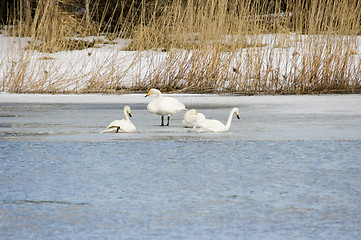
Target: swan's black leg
{"points": [[168, 121], [162, 124], [118, 128]]}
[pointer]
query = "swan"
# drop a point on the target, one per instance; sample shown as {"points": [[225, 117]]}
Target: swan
{"points": [[193, 117], [124, 125], [212, 125], [164, 106]]}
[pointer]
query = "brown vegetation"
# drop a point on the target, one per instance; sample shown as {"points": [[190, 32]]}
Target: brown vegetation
{"points": [[197, 45]]}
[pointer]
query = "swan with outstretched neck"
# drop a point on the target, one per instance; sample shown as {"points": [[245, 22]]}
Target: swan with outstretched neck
{"points": [[164, 106], [212, 125], [124, 125], [192, 117]]}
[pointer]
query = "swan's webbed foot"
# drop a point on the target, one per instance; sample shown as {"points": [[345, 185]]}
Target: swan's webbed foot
{"points": [[118, 128], [168, 121]]}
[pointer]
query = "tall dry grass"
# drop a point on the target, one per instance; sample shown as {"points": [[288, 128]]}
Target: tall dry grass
{"points": [[249, 47]]}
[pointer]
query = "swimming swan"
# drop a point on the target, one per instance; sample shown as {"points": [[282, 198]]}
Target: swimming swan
{"points": [[164, 105], [124, 125], [211, 125], [192, 117]]}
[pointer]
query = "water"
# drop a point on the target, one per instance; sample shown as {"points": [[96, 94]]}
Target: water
{"points": [[61, 179]]}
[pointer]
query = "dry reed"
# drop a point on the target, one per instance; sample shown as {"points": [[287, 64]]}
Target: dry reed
{"points": [[248, 47]]}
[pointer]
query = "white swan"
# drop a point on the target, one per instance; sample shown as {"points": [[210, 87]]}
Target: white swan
{"points": [[124, 125], [211, 125], [164, 106], [192, 117]]}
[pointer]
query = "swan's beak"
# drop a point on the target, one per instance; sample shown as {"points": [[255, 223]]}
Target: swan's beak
{"points": [[238, 116], [130, 115], [147, 94]]}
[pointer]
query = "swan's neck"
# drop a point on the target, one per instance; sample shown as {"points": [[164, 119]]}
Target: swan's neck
{"points": [[126, 114], [159, 94], [229, 119]]}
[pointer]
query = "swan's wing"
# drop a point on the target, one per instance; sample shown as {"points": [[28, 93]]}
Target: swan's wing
{"points": [[212, 125], [165, 106], [115, 123], [123, 125], [126, 126], [169, 105], [112, 127]]}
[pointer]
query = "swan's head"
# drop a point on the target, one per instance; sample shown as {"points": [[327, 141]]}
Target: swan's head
{"points": [[127, 110], [236, 111], [153, 91]]}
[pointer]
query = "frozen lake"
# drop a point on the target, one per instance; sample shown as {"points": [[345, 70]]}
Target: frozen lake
{"points": [[288, 169]]}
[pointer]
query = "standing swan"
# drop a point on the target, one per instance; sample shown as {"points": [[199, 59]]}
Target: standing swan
{"points": [[192, 117], [124, 125], [164, 105], [212, 125]]}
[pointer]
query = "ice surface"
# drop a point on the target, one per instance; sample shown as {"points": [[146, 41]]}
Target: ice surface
{"points": [[306, 117], [288, 169]]}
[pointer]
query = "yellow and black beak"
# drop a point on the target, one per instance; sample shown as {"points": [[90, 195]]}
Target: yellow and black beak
{"points": [[130, 114], [238, 116], [147, 94]]}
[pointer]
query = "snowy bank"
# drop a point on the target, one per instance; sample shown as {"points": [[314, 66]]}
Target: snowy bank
{"points": [[286, 63]]}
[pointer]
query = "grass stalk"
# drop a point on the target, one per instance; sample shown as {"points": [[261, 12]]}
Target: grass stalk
{"points": [[248, 47]]}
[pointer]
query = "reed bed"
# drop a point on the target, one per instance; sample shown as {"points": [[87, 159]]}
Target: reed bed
{"points": [[224, 46]]}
